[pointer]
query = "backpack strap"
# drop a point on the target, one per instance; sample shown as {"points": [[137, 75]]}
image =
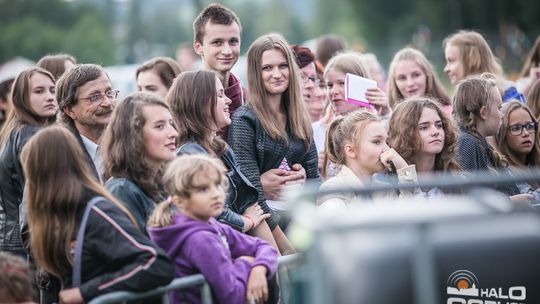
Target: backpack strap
{"points": [[76, 274]]}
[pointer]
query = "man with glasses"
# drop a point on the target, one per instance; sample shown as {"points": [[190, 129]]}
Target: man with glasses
{"points": [[86, 100]]}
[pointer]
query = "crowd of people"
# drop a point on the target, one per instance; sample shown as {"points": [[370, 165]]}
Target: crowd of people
{"points": [[187, 175]]}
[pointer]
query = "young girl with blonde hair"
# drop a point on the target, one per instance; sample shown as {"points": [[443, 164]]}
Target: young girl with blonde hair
{"points": [[357, 142], [235, 265]]}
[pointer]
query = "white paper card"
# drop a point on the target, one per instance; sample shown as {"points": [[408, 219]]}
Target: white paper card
{"points": [[355, 89]]}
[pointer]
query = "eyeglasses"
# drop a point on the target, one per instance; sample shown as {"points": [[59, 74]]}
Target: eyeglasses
{"points": [[95, 98], [316, 81], [518, 129]]}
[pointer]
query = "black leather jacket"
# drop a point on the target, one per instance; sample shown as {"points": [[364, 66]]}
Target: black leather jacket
{"points": [[241, 193], [11, 188]]}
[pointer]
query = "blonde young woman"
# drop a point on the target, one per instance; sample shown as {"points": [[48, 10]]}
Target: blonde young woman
{"points": [[272, 135], [358, 143], [411, 74]]}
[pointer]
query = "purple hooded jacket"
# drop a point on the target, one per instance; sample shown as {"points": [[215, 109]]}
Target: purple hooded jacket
{"points": [[212, 249]]}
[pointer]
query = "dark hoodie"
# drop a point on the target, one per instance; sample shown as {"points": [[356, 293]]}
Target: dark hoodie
{"points": [[213, 249], [237, 95]]}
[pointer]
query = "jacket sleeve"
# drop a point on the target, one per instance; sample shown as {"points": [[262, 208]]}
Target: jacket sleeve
{"points": [[227, 278], [241, 244], [228, 216], [135, 263], [242, 139], [310, 163]]}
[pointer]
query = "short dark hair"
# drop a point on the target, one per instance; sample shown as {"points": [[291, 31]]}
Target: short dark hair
{"points": [[215, 13]]}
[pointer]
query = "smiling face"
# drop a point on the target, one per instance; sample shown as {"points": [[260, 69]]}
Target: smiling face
{"points": [[149, 81], [521, 144], [221, 111], [410, 79], [159, 134], [454, 66], [431, 132], [335, 83], [220, 46], [275, 71], [87, 114], [42, 96]]}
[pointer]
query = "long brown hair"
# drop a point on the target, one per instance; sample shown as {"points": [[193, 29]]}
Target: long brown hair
{"points": [[57, 177], [405, 139], [434, 87], [123, 147], [193, 99], [298, 119], [21, 112]]}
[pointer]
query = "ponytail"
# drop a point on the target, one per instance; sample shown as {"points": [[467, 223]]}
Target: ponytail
{"points": [[331, 154], [162, 216]]}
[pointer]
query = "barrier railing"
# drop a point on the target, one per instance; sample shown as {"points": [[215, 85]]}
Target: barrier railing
{"points": [[190, 281]]}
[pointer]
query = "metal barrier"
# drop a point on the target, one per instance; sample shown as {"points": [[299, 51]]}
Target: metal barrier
{"points": [[190, 281]]}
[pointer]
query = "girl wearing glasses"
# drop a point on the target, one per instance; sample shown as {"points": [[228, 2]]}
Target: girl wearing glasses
{"points": [[34, 107], [517, 139]]}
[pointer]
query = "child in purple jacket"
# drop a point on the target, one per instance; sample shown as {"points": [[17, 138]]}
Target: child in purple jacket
{"points": [[235, 265]]}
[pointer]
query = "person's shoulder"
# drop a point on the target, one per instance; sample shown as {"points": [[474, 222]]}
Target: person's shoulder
{"points": [[190, 147], [245, 111]]}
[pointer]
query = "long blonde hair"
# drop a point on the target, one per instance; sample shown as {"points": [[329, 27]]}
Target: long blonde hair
{"points": [[57, 179], [475, 54], [178, 181], [434, 87], [298, 119]]}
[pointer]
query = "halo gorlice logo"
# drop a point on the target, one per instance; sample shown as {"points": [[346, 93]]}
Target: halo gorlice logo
{"points": [[463, 288]]}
